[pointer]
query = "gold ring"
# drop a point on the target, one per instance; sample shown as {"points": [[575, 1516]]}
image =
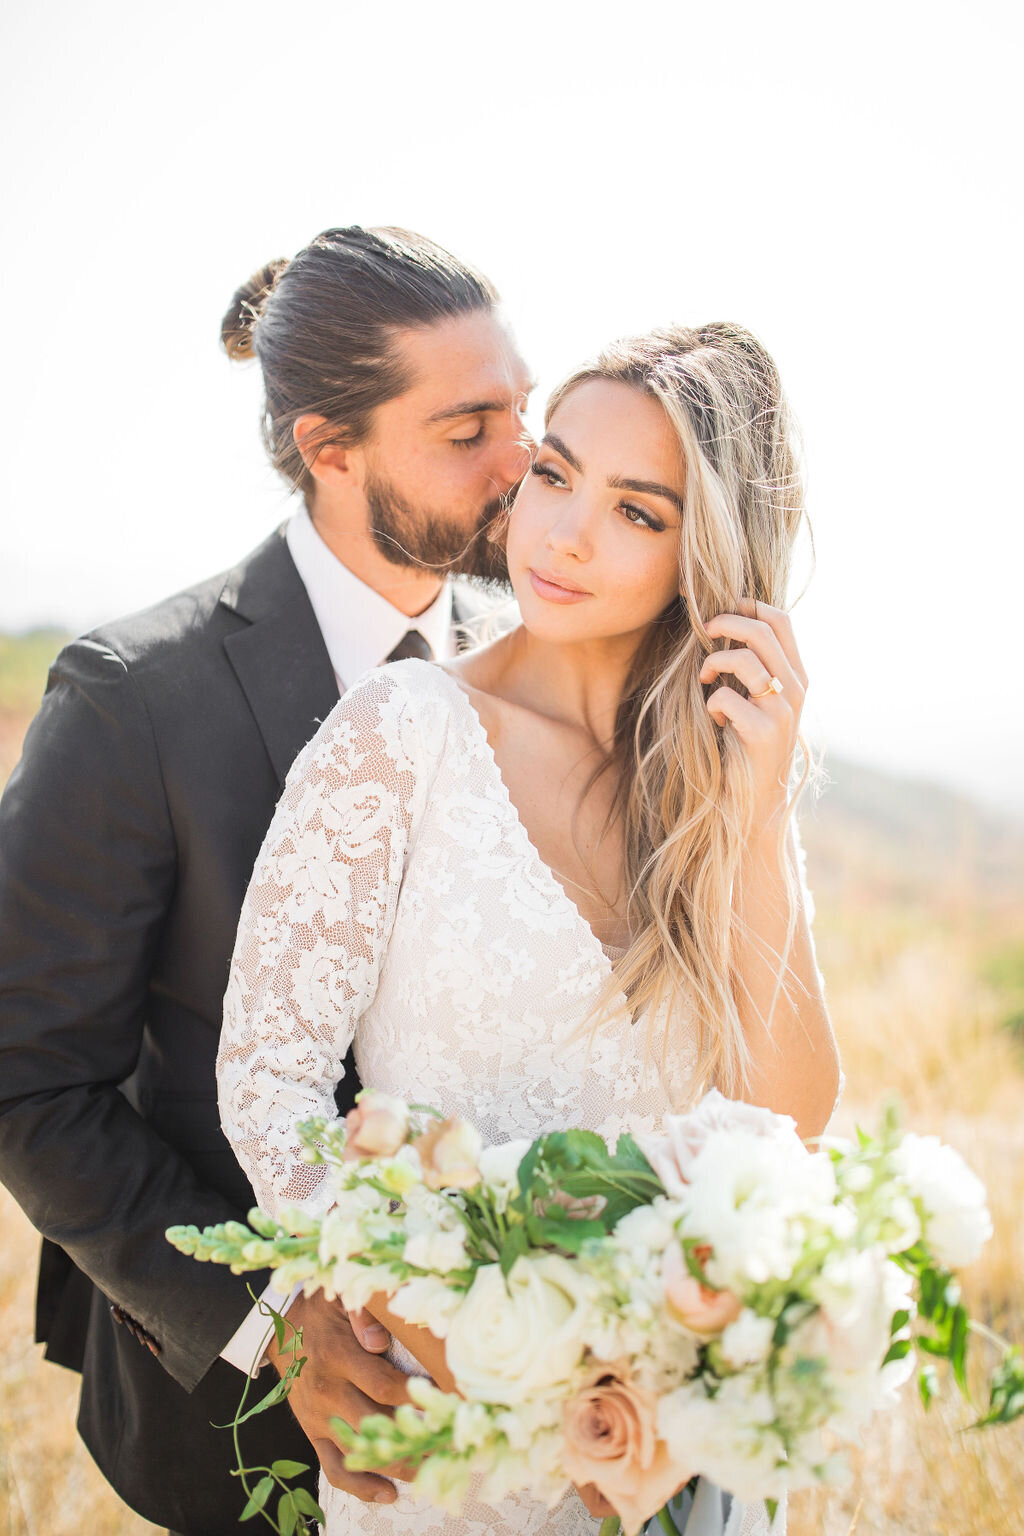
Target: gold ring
{"points": [[774, 686]]}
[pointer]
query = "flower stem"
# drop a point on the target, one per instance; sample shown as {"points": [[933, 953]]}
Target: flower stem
{"points": [[974, 1326], [610, 1526], [666, 1522]]}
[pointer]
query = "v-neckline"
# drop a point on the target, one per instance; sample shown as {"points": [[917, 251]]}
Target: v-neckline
{"points": [[582, 925]]}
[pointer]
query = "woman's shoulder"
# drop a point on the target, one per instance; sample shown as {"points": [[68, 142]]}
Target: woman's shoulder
{"points": [[400, 712]]}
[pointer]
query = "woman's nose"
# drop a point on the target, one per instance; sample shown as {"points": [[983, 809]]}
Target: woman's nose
{"points": [[571, 534]]}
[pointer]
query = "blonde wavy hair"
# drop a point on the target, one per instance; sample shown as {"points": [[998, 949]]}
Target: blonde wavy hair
{"points": [[684, 796]]}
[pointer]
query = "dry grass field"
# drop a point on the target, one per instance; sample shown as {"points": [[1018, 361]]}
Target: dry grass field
{"points": [[920, 932]]}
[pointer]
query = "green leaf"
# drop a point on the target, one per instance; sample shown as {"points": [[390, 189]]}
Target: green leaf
{"points": [[898, 1350], [287, 1514], [259, 1496], [288, 1468], [278, 1392], [515, 1245], [927, 1384], [628, 1155], [771, 1505], [307, 1505], [567, 1232], [958, 1348], [900, 1320]]}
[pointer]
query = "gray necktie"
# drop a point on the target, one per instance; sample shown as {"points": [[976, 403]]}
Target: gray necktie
{"points": [[412, 644]]}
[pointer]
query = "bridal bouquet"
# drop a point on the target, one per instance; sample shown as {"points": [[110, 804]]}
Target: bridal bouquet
{"points": [[716, 1300]]}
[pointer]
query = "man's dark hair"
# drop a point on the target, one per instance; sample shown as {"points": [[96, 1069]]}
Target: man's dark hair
{"points": [[323, 327]]}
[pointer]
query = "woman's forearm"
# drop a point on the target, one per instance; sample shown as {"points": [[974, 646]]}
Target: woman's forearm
{"points": [[793, 1057]]}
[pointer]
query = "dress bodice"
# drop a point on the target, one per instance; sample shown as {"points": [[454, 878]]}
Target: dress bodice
{"points": [[399, 905]]}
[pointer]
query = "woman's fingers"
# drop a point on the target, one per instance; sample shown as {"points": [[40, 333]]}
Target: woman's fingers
{"points": [[748, 668], [770, 636], [726, 705]]}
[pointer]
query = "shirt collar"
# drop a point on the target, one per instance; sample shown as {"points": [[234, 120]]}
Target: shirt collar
{"points": [[360, 627]]}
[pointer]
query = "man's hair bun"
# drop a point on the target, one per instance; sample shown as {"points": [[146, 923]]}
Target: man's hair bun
{"points": [[246, 306]]}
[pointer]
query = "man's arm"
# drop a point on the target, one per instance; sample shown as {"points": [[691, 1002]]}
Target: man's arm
{"points": [[87, 871]]}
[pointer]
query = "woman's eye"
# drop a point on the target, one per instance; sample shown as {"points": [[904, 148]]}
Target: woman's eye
{"points": [[640, 516], [547, 473]]}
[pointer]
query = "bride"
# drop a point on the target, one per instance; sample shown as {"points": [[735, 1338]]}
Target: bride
{"points": [[557, 882]]}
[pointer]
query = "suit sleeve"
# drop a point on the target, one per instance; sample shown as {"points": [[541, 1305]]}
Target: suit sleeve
{"points": [[87, 871]]}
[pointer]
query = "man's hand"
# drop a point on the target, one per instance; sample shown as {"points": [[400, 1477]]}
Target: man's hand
{"points": [[344, 1377]]}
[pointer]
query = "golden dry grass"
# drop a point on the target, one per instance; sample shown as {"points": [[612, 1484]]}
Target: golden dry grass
{"points": [[908, 956]]}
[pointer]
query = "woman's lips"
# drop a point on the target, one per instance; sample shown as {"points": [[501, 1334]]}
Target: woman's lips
{"points": [[553, 591]]}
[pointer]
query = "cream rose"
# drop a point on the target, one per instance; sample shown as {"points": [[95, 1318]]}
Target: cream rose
{"points": [[449, 1155], [611, 1440], [516, 1339], [376, 1127], [703, 1310]]}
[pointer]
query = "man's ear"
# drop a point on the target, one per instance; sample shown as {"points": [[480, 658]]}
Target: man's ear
{"points": [[330, 463]]}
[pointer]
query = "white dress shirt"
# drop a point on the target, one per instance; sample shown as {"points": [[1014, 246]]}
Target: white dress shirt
{"points": [[360, 629]]}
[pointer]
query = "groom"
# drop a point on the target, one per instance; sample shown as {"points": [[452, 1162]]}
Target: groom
{"points": [[130, 828]]}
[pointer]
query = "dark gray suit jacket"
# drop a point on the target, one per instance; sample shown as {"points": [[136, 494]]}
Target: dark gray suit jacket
{"points": [[127, 837]]}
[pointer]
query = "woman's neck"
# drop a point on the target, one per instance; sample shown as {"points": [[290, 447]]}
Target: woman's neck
{"points": [[581, 685]]}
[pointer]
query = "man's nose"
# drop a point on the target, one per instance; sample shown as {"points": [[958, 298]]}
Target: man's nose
{"points": [[514, 455]]}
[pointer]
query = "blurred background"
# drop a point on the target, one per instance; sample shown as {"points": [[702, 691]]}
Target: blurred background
{"points": [[844, 180]]}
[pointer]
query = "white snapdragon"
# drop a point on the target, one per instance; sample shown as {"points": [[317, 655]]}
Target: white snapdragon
{"points": [[426, 1301], [957, 1220], [747, 1341], [499, 1169]]}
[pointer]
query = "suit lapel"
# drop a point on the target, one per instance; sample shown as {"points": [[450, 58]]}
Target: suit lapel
{"points": [[279, 658]]}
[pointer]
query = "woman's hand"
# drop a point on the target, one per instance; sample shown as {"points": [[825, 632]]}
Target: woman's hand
{"points": [[769, 720]]}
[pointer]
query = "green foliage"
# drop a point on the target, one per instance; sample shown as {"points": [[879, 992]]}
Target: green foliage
{"points": [[295, 1506], [578, 1164], [1006, 1392]]}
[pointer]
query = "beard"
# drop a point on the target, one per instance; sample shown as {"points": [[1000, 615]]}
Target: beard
{"points": [[418, 537]]}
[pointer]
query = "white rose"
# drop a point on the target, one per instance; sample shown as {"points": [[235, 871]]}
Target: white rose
{"points": [[499, 1168], [747, 1340], [957, 1221], [513, 1340]]}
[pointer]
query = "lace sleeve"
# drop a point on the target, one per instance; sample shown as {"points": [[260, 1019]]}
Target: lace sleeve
{"points": [[313, 932]]}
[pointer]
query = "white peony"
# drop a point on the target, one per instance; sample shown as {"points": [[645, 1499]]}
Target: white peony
{"points": [[515, 1339], [750, 1197], [672, 1155], [957, 1221]]}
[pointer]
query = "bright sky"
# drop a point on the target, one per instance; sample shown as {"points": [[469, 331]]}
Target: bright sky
{"points": [[844, 179]]}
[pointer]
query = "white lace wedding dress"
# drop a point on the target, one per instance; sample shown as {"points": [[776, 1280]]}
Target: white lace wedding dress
{"points": [[399, 904]]}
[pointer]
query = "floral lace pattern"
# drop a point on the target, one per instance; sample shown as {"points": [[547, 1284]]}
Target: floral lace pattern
{"points": [[399, 906]]}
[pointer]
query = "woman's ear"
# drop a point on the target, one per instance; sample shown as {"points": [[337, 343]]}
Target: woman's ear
{"points": [[328, 461]]}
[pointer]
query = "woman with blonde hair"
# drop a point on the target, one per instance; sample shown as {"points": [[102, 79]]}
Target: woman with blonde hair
{"points": [[557, 882]]}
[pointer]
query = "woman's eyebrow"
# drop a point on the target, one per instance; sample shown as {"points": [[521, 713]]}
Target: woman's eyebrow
{"points": [[564, 450], [647, 487], [616, 482]]}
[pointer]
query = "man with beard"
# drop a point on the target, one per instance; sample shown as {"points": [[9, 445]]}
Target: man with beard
{"points": [[128, 832]]}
